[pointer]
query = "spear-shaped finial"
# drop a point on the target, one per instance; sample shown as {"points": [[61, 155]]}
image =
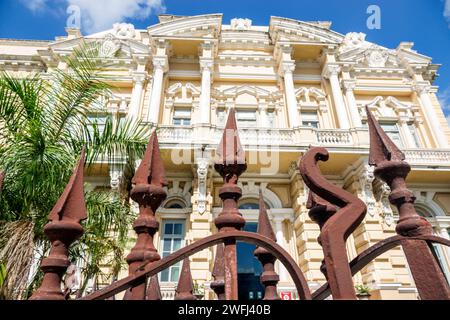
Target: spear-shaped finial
{"points": [[269, 277], [151, 170], [218, 285], [264, 226], [185, 286], [62, 230], [153, 289], [381, 146], [230, 156], [230, 164], [148, 191], [392, 169], [71, 205]]}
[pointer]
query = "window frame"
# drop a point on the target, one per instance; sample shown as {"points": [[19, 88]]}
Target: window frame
{"points": [[163, 236]]}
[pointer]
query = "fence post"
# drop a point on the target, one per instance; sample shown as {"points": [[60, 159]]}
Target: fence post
{"points": [[62, 230], [391, 168], [269, 277], [218, 285], [230, 163], [148, 192]]}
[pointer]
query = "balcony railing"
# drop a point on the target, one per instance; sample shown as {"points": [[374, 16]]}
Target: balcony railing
{"points": [[428, 157], [293, 138], [334, 137]]}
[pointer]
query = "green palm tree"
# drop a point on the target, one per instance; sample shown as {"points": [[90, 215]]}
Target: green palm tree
{"points": [[44, 123]]}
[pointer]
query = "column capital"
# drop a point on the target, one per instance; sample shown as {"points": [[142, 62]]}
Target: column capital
{"points": [[207, 64], [286, 67], [330, 70], [161, 62], [403, 119], [349, 85], [421, 87], [139, 77]]}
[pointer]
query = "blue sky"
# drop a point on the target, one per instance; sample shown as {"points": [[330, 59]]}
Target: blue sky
{"points": [[424, 22]]}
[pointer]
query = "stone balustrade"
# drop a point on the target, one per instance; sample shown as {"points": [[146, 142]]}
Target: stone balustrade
{"points": [[293, 138], [428, 157]]}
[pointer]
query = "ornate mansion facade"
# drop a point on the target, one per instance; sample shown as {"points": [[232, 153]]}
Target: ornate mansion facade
{"points": [[293, 84]]}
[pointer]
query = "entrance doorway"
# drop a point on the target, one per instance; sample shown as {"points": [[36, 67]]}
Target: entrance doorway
{"points": [[248, 266]]}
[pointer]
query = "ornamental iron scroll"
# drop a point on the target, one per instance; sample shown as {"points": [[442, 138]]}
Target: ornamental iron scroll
{"points": [[337, 212]]}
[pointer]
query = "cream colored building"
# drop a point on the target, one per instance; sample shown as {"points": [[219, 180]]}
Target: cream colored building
{"points": [[293, 84]]}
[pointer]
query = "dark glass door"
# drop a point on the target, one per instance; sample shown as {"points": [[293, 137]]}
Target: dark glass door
{"points": [[249, 268]]}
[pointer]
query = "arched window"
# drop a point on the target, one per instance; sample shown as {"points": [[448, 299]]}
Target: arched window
{"points": [[174, 204], [249, 206]]}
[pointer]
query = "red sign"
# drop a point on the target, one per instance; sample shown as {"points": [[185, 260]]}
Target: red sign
{"points": [[286, 295]]}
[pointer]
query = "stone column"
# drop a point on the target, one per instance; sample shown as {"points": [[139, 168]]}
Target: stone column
{"points": [[331, 73], [286, 71], [136, 95], [263, 120], [160, 66], [423, 93], [349, 87], [280, 240], [206, 67]]}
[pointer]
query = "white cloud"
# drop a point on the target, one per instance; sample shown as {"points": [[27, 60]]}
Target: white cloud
{"points": [[447, 11], [100, 15], [34, 5]]}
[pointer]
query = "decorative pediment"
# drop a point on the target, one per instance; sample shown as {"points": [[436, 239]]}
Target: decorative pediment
{"points": [[371, 56], [254, 91], [389, 107], [311, 98], [406, 54], [177, 88], [193, 26], [293, 30], [110, 46]]}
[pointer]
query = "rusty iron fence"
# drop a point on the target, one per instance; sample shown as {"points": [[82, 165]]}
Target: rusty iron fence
{"points": [[337, 212]]}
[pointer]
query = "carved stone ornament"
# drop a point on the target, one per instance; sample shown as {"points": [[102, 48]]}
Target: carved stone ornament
{"points": [[109, 46], [377, 58], [202, 172], [241, 24], [366, 180], [353, 40], [124, 30]]}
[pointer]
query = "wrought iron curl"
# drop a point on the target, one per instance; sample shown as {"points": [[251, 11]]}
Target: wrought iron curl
{"points": [[338, 227]]}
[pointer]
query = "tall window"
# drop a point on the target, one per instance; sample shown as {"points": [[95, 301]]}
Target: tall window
{"points": [[172, 239], [182, 117], [412, 129], [310, 119], [246, 118], [392, 131]]}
